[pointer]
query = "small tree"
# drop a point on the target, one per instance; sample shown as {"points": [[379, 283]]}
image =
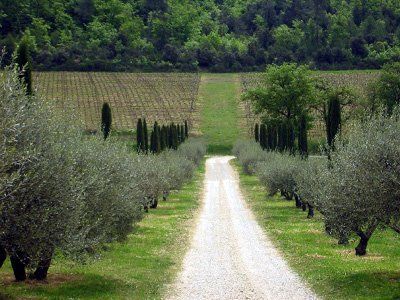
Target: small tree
{"points": [[24, 61], [163, 138], [106, 120], [263, 134], [170, 136], [257, 133], [272, 137], [183, 136], [186, 129], [145, 136], [283, 136], [156, 139], [140, 137]]}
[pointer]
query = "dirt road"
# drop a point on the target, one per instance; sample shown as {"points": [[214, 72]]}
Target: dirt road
{"points": [[230, 257]]}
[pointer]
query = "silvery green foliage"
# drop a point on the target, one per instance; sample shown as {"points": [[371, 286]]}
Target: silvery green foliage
{"points": [[362, 188], [178, 169], [308, 178], [193, 149], [277, 173], [249, 154], [60, 190]]}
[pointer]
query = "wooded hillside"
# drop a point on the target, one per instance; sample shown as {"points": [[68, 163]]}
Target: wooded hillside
{"points": [[219, 35]]}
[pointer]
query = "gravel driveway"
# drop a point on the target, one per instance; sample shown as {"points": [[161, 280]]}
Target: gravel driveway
{"points": [[230, 257]]}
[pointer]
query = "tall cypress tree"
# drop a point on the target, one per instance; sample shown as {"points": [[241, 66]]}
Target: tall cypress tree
{"points": [[257, 133], [186, 129], [140, 136], [175, 137], [163, 138], [170, 136], [282, 136], [263, 134], [302, 138], [178, 132], [152, 147], [183, 136], [290, 138], [334, 120], [23, 60], [270, 137], [145, 136], [156, 138], [106, 120]]}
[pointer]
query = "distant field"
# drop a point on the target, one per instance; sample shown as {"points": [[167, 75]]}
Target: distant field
{"points": [[358, 81], [165, 97]]}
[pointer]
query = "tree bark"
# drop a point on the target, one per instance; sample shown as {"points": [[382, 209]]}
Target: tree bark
{"points": [[304, 206], [18, 268], [361, 248], [42, 268], [154, 204], [298, 201], [310, 211], [3, 255]]}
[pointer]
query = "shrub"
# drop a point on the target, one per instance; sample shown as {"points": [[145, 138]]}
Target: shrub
{"points": [[277, 173], [249, 154], [193, 150]]}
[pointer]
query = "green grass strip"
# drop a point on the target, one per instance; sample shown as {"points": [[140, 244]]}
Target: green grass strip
{"points": [[220, 112]]}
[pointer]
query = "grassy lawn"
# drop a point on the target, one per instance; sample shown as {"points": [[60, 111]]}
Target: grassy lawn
{"points": [[137, 269], [333, 271], [220, 112]]}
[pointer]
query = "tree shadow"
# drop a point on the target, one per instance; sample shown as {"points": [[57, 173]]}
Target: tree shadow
{"points": [[366, 284], [88, 286]]}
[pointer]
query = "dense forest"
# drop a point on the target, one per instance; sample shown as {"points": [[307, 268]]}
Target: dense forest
{"points": [[188, 35]]}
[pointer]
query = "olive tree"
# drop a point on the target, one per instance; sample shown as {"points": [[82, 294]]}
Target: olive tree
{"points": [[51, 178], [361, 189]]}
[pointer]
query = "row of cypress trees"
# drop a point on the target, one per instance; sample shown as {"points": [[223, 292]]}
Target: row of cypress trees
{"points": [[161, 137], [282, 136]]}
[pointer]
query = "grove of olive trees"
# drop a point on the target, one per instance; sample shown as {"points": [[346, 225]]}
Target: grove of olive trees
{"points": [[52, 175]]}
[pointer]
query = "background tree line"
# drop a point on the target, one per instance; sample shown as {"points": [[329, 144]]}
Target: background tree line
{"points": [[219, 35]]}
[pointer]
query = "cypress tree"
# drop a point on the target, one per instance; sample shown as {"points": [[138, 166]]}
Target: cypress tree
{"points": [[170, 136], [183, 136], [186, 129], [302, 138], [334, 120], [270, 137], [282, 136], [152, 148], [106, 120], [140, 136], [257, 133], [156, 138], [263, 131], [178, 132], [175, 139], [24, 62], [163, 138], [290, 138], [145, 137]]}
